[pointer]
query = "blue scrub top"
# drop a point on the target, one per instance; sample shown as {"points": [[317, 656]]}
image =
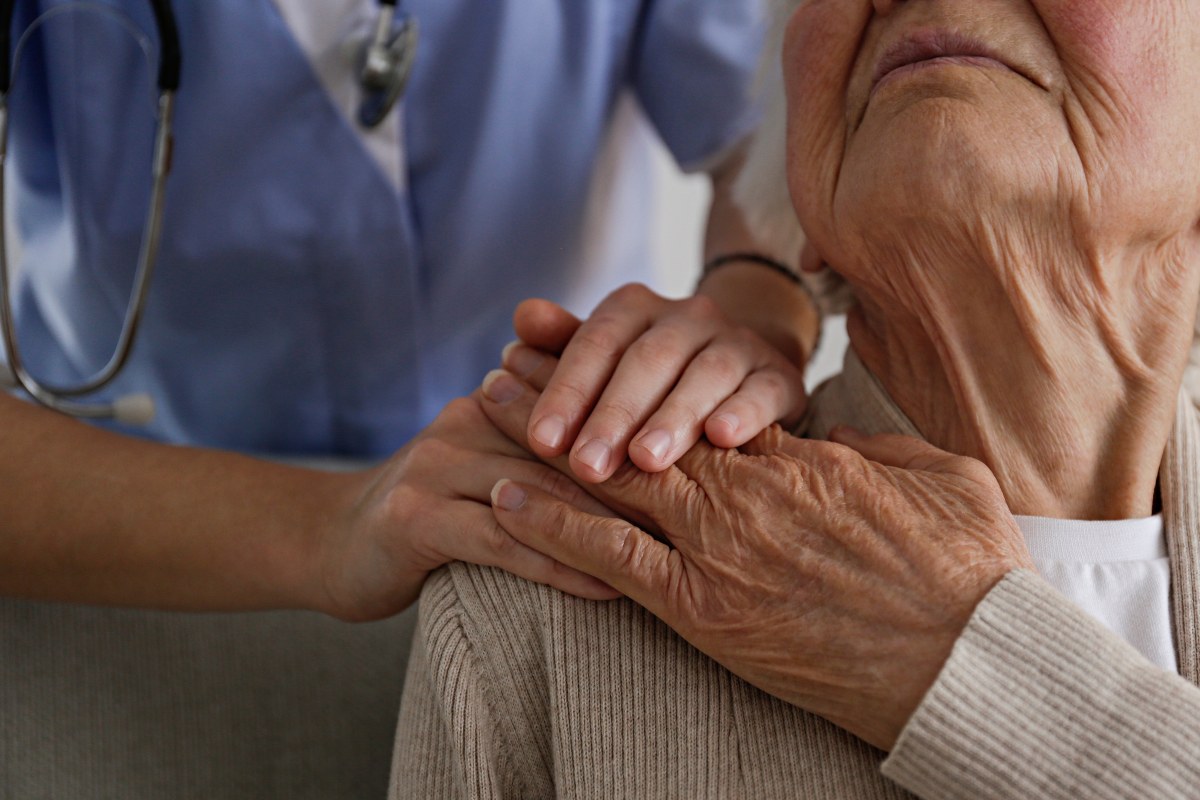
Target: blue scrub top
{"points": [[325, 289]]}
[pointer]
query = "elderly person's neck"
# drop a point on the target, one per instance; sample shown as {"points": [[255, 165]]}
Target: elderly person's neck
{"points": [[1065, 389]]}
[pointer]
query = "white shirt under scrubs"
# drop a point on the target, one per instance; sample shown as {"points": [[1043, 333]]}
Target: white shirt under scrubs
{"points": [[1116, 571]]}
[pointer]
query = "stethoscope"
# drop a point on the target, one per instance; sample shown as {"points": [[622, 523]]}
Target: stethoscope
{"points": [[386, 63]]}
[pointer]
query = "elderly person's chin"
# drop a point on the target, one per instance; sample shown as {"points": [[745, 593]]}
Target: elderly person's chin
{"points": [[925, 134], [947, 145]]}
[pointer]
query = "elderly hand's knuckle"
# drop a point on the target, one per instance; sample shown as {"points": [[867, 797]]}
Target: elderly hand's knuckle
{"points": [[827, 456], [768, 441], [499, 542], [556, 484], [626, 547], [627, 478], [816, 482], [558, 570], [565, 517], [975, 470]]}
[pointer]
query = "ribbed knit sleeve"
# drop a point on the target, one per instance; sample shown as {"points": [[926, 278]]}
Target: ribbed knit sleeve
{"points": [[1039, 700]]}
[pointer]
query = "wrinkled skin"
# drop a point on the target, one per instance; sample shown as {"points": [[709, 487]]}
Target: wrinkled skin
{"points": [[832, 581], [1086, 134], [1022, 237]]}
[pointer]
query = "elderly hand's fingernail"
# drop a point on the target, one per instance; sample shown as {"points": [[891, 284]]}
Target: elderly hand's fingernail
{"points": [[595, 454], [550, 431], [657, 441], [508, 496], [500, 387], [521, 359], [728, 420], [845, 434]]}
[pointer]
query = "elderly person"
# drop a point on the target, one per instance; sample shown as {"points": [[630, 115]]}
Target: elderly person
{"points": [[1005, 187]]}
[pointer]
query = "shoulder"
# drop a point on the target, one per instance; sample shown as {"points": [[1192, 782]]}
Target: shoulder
{"points": [[480, 654], [487, 602], [500, 618]]}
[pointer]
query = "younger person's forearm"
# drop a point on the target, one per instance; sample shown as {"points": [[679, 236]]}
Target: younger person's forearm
{"points": [[751, 295], [92, 517]]}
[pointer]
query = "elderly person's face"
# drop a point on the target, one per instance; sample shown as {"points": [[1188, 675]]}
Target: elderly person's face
{"points": [[969, 120]]}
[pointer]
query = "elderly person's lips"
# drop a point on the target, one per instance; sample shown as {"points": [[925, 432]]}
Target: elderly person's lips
{"points": [[929, 49]]}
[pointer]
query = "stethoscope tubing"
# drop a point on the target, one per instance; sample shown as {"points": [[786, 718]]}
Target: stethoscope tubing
{"points": [[170, 57], [385, 73], [135, 409]]}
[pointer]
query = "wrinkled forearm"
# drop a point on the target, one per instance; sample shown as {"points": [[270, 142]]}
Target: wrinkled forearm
{"points": [[1040, 700]]}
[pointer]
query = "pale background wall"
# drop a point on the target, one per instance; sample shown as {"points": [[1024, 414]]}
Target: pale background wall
{"points": [[680, 206]]}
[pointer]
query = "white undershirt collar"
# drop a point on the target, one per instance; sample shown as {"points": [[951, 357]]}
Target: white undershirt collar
{"points": [[1116, 571]]}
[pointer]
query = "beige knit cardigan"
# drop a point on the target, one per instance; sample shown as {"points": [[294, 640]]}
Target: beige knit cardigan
{"points": [[515, 690]]}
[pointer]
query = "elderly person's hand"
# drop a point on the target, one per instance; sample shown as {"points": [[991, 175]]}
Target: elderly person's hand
{"points": [[834, 576]]}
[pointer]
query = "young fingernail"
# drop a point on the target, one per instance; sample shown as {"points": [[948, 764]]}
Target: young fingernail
{"points": [[550, 431], [500, 387], [521, 359], [657, 441], [728, 420], [595, 454], [508, 496]]}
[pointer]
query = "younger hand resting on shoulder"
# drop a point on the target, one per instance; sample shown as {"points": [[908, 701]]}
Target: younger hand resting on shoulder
{"points": [[646, 377]]}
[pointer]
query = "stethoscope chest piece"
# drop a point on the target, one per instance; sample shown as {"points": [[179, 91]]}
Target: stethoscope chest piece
{"points": [[387, 63]]}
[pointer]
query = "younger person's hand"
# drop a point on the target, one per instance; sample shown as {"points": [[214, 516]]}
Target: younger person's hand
{"points": [[429, 504], [646, 377]]}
